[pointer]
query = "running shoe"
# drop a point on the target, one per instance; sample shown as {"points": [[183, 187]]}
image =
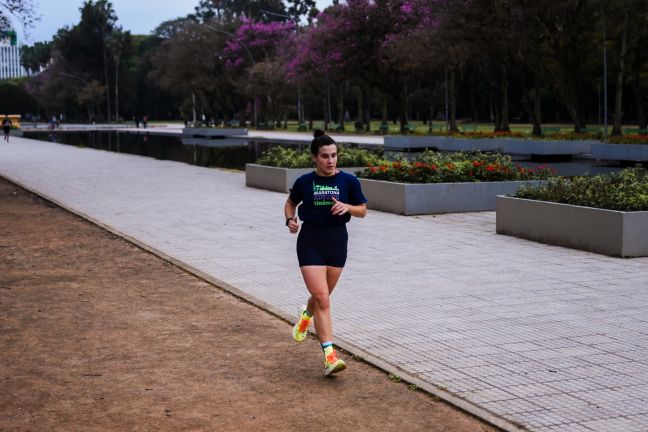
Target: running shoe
{"points": [[300, 330], [332, 364]]}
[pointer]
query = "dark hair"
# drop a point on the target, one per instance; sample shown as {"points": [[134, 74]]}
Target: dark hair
{"points": [[321, 139]]}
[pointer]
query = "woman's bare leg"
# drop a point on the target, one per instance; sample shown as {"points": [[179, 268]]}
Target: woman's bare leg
{"points": [[332, 276], [316, 279]]}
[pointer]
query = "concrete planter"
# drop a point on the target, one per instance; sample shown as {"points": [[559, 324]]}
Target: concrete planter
{"points": [[504, 145], [602, 231], [441, 143], [427, 198], [220, 142], [547, 147], [621, 152], [278, 179], [213, 132]]}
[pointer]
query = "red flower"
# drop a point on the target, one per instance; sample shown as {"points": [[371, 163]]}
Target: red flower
{"points": [[419, 164], [477, 163], [490, 168], [373, 169]]}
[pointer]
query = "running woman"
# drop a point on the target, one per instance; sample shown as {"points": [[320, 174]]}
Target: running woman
{"points": [[328, 199], [6, 127]]}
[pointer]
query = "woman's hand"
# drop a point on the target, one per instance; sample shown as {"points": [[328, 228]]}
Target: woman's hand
{"points": [[293, 225], [339, 208]]}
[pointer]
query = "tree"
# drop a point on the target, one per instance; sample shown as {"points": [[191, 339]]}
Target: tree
{"points": [[119, 46], [263, 49], [15, 99], [233, 10], [297, 9], [35, 57], [359, 39], [190, 64], [22, 10]]}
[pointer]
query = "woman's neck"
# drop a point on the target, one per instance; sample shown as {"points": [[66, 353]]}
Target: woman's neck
{"points": [[323, 174]]}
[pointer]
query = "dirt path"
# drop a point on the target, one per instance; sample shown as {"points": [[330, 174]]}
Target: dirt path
{"points": [[96, 334]]}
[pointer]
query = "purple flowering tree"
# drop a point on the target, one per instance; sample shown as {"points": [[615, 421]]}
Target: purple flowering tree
{"points": [[365, 40], [262, 49]]}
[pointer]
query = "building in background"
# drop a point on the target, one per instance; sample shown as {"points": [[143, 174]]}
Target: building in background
{"points": [[10, 66]]}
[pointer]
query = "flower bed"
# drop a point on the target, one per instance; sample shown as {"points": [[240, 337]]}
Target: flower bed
{"points": [[559, 144], [287, 157], [444, 183], [629, 139], [604, 214], [279, 167], [626, 190], [434, 167]]}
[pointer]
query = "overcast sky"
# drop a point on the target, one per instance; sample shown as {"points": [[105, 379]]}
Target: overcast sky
{"points": [[138, 16]]}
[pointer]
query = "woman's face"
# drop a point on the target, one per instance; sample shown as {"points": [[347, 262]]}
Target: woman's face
{"points": [[326, 159]]}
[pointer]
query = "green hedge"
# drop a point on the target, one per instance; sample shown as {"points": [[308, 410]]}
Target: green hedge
{"points": [[434, 167], [626, 190], [292, 158]]}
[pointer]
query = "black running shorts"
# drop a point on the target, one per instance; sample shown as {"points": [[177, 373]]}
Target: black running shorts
{"points": [[322, 246]]}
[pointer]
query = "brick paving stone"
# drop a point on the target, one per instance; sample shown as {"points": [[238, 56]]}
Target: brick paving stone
{"points": [[553, 338]]}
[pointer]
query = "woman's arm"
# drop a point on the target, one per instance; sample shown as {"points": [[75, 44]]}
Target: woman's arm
{"points": [[339, 208], [290, 210]]}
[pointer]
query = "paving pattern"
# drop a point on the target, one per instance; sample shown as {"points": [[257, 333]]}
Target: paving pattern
{"points": [[549, 338]]}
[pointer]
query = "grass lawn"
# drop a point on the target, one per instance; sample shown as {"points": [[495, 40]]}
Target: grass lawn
{"points": [[440, 127]]}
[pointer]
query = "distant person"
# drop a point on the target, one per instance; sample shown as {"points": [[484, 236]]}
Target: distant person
{"points": [[136, 122], [6, 127], [328, 199], [144, 121]]}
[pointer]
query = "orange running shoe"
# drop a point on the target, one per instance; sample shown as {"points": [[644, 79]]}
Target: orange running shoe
{"points": [[332, 364], [300, 330]]}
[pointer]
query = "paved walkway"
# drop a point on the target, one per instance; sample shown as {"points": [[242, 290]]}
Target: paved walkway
{"points": [[512, 330]]}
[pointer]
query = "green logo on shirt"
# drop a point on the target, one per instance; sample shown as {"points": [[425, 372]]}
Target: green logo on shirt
{"points": [[322, 195]]}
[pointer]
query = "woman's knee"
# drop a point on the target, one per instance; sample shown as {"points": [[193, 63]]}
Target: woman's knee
{"points": [[321, 300]]}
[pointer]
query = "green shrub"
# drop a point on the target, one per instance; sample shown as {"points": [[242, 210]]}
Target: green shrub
{"points": [[294, 158], [435, 167], [626, 190]]}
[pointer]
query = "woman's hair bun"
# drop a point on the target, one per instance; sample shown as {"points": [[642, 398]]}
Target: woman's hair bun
{"points": [[318, 133]]}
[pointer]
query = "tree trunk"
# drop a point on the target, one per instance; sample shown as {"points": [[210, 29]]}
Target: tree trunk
{"points": [[616, 128], [384, 112], [537, 111], [105, 63], [635, 82], [452, 101], [367, 110], [360, 116], [639, 102], [402, 108], [341, 107], [473, 105], [326, 104], [117, 89], [504, 125]]}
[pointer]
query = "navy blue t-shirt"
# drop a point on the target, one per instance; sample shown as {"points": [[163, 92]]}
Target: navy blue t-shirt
{"points": [[315, 193]]}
